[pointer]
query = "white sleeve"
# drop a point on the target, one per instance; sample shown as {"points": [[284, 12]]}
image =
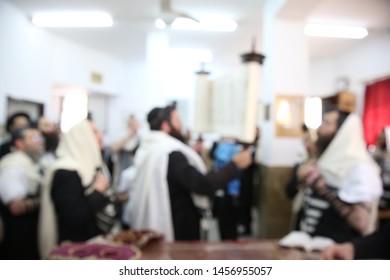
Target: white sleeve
{"points": [[126, 179], [361, 184], [13, 185]]}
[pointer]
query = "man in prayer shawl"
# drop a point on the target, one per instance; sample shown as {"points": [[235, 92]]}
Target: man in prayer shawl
{"points": [[19, 200], [168, 178], [75, 197], [343, 186]]}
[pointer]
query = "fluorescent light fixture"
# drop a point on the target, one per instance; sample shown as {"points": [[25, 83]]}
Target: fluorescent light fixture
{"points": [[74, 19], [185, 24], [336, 31], [160, 24]]}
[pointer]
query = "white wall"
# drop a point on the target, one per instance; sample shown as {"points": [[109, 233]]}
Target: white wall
{"points": [[285, 72], [24, 59], [369, 60], [322, 77], [131, 101], [34, 61], [72, 64]]}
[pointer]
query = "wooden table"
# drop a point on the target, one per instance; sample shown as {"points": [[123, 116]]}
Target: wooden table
{"points": [[238, 250]]}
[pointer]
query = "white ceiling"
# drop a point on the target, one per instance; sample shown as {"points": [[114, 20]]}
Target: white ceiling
{"points": [[372, 14], [134, 18]]}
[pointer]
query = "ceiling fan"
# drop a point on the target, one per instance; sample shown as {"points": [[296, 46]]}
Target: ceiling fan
{"points": [[169, 16]]}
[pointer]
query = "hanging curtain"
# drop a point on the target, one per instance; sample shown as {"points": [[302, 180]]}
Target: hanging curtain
{"points": [[376, 109]]}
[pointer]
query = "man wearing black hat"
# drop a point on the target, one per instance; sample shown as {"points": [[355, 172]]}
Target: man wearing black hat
{"points": [[170, 184], [15, 121]]}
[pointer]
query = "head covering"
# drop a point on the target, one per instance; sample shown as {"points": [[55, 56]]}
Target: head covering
{"points": [[158, 115], [78, 151], [12, 118], [80, 147], [155, 116], [346, 150]]}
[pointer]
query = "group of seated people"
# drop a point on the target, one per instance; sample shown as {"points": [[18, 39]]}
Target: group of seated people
{"points": [[166, 186]]}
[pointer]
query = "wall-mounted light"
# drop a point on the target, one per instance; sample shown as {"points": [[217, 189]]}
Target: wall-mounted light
{"points": [[74, 108], [74, 19], [313, 112], [283, 114], [335, 31]]}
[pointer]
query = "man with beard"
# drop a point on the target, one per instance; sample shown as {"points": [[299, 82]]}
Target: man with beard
{"points": [[169, 187], [19, 201], [343, 185], [51, 138], [50, 133]]}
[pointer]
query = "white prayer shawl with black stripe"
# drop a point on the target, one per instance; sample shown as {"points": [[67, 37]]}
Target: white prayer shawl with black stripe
{"points": [[22, 161], [345, 152]]}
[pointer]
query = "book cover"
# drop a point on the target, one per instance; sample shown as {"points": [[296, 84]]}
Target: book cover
{"points": [[302, 240]]}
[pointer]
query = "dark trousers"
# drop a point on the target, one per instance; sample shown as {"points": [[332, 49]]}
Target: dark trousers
{"points": [[228, 215]]}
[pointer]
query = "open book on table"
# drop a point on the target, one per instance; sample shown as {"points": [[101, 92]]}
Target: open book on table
{"points": [[302, 240]]}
